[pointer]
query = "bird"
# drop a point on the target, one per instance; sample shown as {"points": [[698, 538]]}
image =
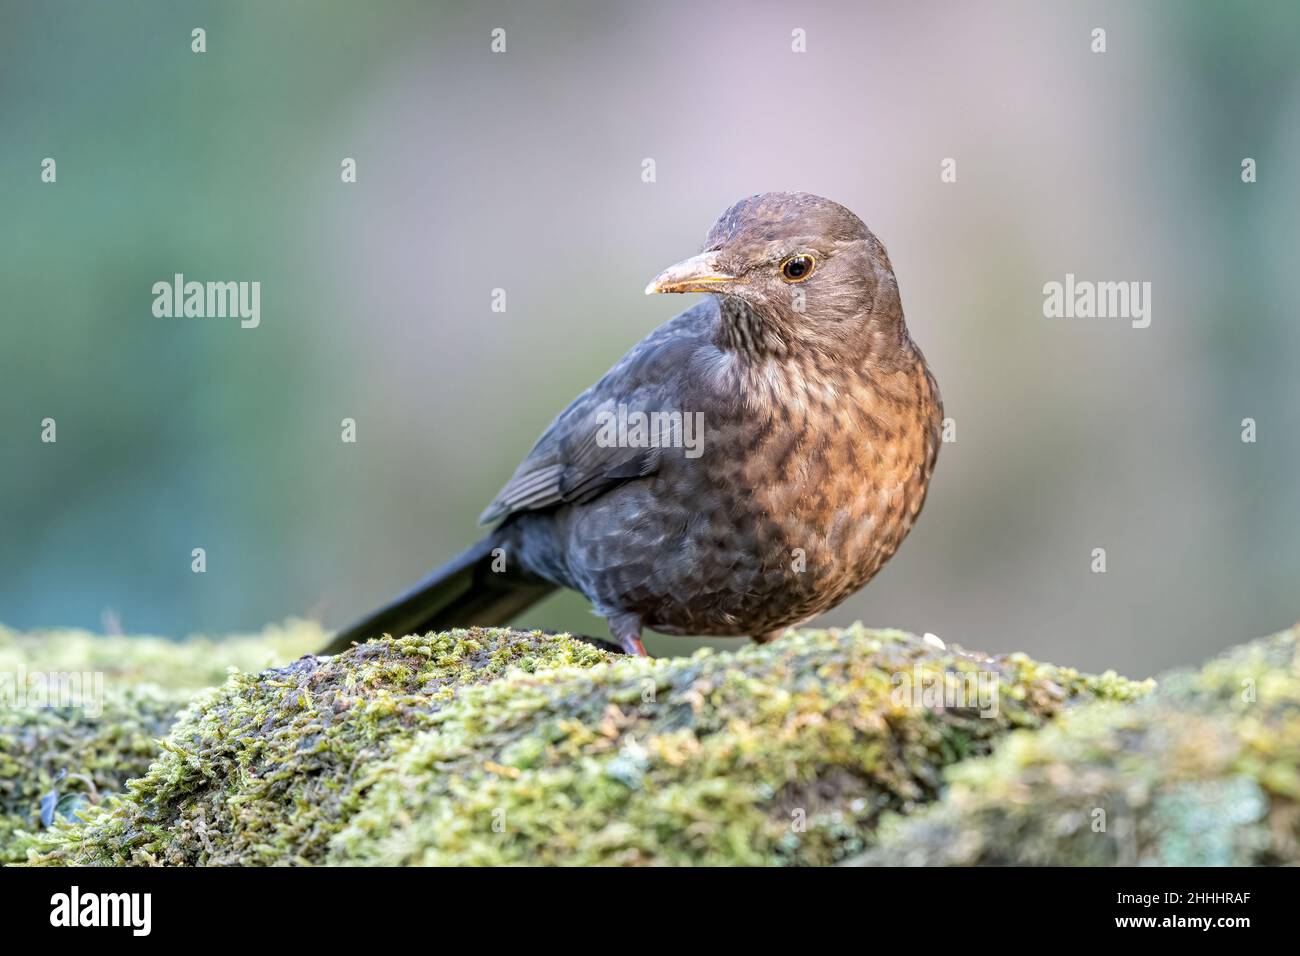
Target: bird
{"points": [[745, 467]]}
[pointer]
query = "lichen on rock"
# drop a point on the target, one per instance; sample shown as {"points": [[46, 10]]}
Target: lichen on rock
{"points": [[480, 747], [1204, 772]]}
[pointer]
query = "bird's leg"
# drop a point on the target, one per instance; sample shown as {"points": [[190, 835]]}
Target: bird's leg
{"points": [[626, 629], [767, 638]]}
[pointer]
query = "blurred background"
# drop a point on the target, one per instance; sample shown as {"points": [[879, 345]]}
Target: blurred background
{"points": [[522, 171]]}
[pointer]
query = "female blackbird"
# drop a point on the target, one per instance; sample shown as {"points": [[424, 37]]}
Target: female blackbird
{"points": [[746, 466]]}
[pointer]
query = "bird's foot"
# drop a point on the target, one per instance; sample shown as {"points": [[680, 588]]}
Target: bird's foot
{"points": [[626, 629]]}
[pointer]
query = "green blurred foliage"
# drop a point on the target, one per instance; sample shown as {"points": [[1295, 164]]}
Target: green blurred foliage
{"points": [[521, 171]]}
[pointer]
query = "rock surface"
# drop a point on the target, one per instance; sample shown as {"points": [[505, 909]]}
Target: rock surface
{"points": [[55, 762], [497, 746], [1203, 772]]}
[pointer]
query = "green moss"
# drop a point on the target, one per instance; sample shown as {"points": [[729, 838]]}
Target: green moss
{"points": [[786, 753], [190, 664], [495, 746], [263, 769], [74, 757], [1206, 771]]}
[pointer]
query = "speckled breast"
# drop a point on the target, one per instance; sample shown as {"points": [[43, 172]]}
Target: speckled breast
{"points": [[797, 501]]}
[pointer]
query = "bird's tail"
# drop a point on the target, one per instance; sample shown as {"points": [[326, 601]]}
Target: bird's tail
{"points": [[464, 592]]}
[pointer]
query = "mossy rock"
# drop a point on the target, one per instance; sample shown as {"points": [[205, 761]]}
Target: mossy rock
{"points": [[59, 761], [479, 747], [1205, 771], [190, 664], [262, 770]]}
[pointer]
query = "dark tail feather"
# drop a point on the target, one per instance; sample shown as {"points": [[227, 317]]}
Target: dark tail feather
{"points": [[464, 592]]}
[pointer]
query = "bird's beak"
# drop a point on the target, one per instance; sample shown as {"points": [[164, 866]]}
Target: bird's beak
{"points": [[697, 274]]}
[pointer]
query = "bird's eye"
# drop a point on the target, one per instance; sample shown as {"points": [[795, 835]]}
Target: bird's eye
{"points": [[797, 268]]}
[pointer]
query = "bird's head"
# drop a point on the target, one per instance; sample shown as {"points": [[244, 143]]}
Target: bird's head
{"points": [[794, 270]]}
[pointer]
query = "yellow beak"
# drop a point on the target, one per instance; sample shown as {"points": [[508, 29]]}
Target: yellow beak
{"points": [[697, 274]]}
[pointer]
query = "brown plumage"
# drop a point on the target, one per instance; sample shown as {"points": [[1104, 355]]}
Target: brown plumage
{"points": [[820, 429]]}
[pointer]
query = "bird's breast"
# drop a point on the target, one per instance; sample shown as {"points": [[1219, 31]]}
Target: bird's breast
{"points": [[800, 493], [824, 471]]}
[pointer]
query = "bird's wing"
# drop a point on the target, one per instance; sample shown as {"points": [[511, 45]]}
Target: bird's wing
{"points": [[574, 460]]}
